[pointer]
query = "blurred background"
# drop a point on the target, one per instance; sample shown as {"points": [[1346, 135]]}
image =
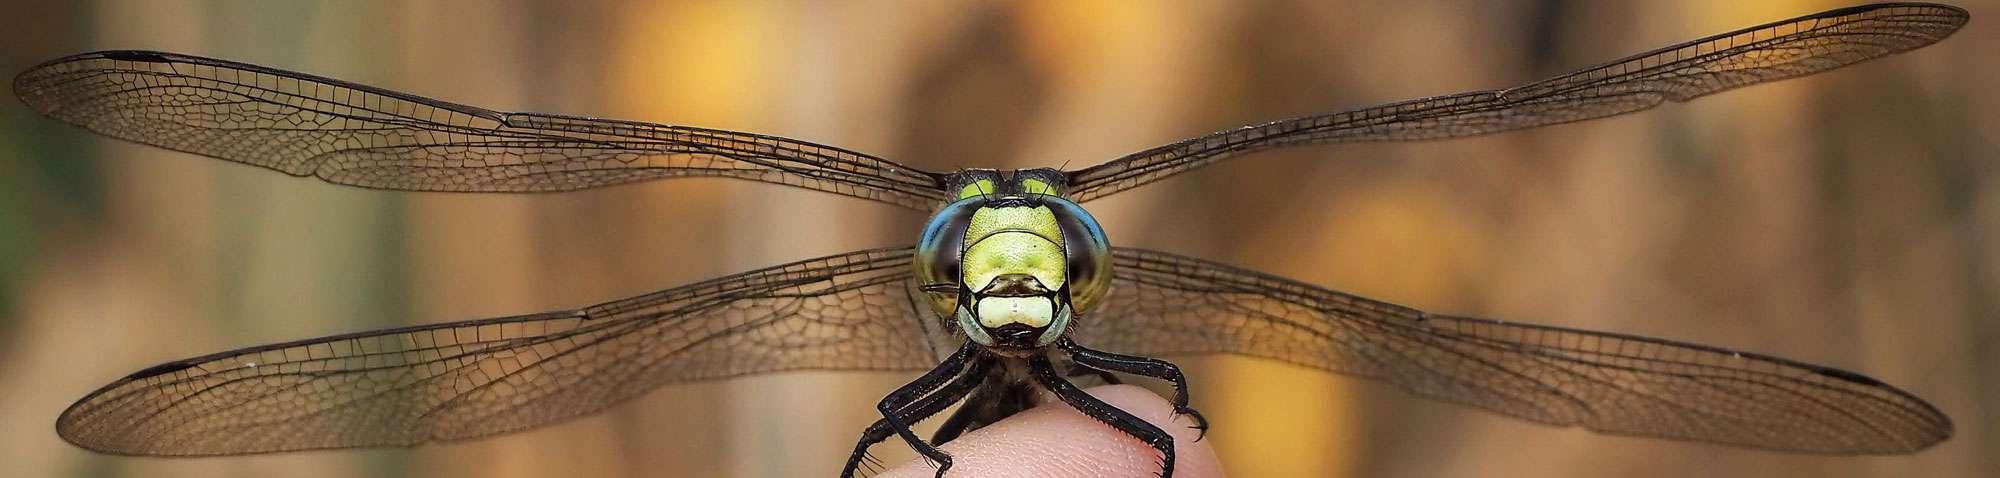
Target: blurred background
{"points": [[1850, 219]]}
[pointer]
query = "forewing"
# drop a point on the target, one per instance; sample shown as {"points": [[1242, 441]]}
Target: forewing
{"points": [[358, 135], [452, 381], [1769, 52], [1162, 304]]}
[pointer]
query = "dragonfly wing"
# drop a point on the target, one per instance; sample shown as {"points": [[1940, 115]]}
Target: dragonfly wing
{"points": [[359, 135], [452, 381], [1769, 52], [1163, 304]]}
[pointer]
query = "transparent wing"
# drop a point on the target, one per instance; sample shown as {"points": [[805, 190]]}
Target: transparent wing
{"points": [[1769, 52], [359, 135], [1162, 304], [407, 386]]}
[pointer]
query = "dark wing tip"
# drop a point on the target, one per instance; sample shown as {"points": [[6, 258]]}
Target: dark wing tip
{"points": [[1947, 10], [127, 55], [1847, 376], [1956, 16], [1955, 11], [161, 369], [28, 83], [1940, 426], [141, 56]]}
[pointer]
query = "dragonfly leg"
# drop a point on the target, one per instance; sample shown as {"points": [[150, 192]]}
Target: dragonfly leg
{"points": [[923, 408], [1046, 374], [911, 392], [1150, 367]]}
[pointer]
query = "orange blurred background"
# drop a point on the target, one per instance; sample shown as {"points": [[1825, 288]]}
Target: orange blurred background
{"points": [[1850, 219]]}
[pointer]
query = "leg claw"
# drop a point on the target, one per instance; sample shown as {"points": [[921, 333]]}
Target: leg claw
{"points": [[1200, 423]]}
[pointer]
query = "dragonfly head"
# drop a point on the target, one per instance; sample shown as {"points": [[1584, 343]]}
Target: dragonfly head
{"points": [[1011, 262]]}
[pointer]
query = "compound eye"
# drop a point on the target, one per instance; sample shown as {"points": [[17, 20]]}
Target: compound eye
{"points": [[940, 267], [1087, 253], [939, 253]]}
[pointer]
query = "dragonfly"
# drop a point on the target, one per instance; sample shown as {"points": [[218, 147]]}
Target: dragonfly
{"points": [[1011, 297]]}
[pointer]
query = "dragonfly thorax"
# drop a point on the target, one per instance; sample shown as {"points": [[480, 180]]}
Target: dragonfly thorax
{"points": [[1011, 262]]}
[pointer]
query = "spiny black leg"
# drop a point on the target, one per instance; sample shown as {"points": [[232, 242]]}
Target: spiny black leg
{"points": [[1045, 373], [1150, 367], [916, 412], [916, 389]]}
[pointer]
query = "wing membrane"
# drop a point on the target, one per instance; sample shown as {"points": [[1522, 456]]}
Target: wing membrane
{"points": [[451, 381], [1166, 304], [359, 135], [1769, 52]]}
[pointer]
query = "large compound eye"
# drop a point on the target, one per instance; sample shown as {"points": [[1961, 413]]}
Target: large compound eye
{"points": [[1087, 251], [939, 253]]}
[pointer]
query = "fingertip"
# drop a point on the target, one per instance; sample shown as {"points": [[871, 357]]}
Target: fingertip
{"points": [[1055, 440], [1193, 458]]}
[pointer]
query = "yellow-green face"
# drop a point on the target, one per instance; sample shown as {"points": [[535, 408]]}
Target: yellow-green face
{"points": [[1010, 263], [1023, 245]]}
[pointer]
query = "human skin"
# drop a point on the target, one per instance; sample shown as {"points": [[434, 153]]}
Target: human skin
{"points": [[1056, 441]]}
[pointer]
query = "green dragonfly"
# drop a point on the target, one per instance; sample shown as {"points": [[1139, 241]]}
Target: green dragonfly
{"points": [[1012, 291]]}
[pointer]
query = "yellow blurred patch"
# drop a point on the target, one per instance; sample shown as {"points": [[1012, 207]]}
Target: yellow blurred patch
{"points": [[1078, 38], [703, 63], [1721, 16], [1400, 242]]}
